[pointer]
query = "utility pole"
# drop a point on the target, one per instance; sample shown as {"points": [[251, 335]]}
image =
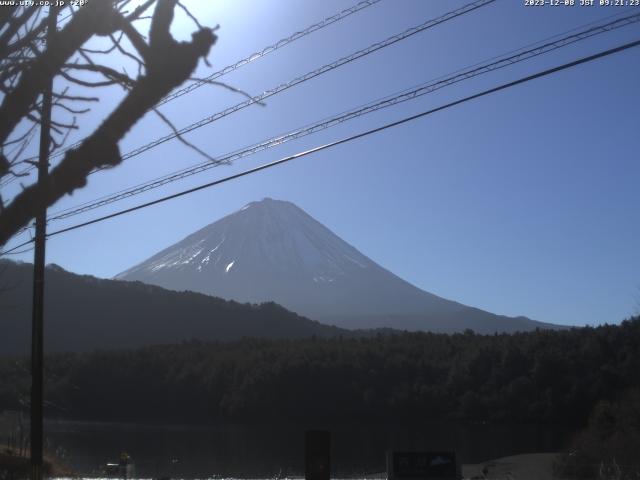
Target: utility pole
{"points": [[37, 330]]}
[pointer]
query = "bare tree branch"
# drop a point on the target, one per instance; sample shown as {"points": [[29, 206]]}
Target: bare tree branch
{"points": [[228, 87], [107, 72], [85, 83], [179, 136], [137, 13], [136, 40], [168, 64], [15, 24], [71, 110], [190, 15], [80, 28], [32, 34], [76, 98]]}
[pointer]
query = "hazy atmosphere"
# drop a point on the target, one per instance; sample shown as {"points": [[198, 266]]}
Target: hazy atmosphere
{"points": [[386, 239], [521, 204]]}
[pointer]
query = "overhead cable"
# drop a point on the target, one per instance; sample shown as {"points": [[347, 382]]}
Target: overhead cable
{"points": [[326, 146], [326, 123], [366, 133], [237, 65]]}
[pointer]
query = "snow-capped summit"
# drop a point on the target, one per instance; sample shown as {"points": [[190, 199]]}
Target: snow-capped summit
{"points": [[269, 237], [271, 250]]}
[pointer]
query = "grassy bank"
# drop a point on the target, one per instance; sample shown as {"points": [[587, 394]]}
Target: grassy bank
{"points": [[16, 465]]}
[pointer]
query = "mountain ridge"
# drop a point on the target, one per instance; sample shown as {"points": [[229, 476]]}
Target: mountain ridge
{"points": [[271, 250], [83, 313]]}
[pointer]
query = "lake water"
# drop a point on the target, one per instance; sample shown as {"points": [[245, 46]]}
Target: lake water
{"points": [[268, 450]]}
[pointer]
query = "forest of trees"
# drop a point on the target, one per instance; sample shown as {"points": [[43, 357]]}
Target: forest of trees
{"points": [[609, 446], [542, 376]]}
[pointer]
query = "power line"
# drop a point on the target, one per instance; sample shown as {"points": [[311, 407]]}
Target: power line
{"points": [[310, 75], [289, 158], [280, 44], [12, 252], [271, 48], [406, 95], [504, 86], [301, 79], [239, 64]]}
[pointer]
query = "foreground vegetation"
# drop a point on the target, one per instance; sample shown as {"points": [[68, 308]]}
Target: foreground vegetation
{"points": [[15, 464], [542, 376], [608, 448]]}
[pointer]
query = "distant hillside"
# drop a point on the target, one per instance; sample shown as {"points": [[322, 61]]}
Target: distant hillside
{"points": [[85, 313]]}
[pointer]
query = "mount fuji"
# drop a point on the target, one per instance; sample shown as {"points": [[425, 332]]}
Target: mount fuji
{"points": [[272, 250]]}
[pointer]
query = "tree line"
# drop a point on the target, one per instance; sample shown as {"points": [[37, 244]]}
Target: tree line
{"points": [[542, 376]]}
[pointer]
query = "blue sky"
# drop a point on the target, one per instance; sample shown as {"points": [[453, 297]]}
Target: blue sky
{"points": [[520, 203]]}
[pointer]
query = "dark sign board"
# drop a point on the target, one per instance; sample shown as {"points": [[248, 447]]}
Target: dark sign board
{"points": [[422, 465]]}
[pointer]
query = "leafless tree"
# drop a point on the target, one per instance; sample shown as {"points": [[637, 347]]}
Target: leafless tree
{"points": [[27, 63]]}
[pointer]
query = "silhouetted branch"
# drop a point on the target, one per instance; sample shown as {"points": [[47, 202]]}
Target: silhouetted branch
{"points": [[83, 25], [167, 63], [105, 71], [78, 98], [228, 87], [190, 15], [180, 138]]}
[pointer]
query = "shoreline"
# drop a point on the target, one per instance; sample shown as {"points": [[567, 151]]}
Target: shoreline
{"points": [[527, 466]]}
